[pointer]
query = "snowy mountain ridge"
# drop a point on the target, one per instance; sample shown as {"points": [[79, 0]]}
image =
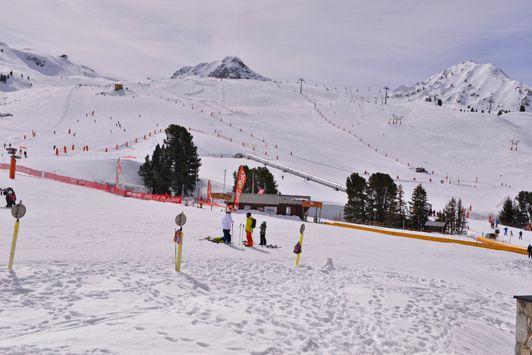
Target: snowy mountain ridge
{"points": [[471, 85], [228, 68], [23, 68]]}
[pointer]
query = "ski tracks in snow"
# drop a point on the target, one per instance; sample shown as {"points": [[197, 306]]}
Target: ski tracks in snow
{"points": [[65, 110]]}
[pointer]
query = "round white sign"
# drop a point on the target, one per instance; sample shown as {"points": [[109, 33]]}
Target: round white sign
{"points": [[180, 219], [18, 211]]}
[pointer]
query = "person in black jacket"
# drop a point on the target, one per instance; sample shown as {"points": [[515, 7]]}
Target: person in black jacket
{"points": [[11, 198], [529, 250], [263, 233]]}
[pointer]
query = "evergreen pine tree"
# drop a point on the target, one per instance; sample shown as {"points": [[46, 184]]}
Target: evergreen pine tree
{"points": [[401, 209], [174, 165], [181, 159], [146, 172], [461, 221], [263, 179], [507, 214], [355, 209], [523, 208], [418, 207], [381, 193], [449, 215]]}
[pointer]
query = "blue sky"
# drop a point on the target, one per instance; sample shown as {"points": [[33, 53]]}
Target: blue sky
{"points": [[353, 42]]}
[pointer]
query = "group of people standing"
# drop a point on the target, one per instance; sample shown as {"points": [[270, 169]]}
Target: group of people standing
{"points": [[250, 225]]}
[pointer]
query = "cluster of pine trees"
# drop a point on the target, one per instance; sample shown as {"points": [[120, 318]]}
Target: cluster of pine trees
{"points": [[257, 179], [454, 216], [380, 201], [174, 165], [517, 212]]}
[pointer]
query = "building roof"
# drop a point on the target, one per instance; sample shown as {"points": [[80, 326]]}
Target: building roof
{"points": [[524, 298], [436, 224], [272, 199]]}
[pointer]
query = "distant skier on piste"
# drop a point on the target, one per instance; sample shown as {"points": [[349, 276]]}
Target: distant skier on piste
{"points": [[250, 224], [227, 222], [529, 249]]}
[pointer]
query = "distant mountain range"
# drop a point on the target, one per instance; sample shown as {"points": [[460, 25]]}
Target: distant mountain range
{"points": [[21, 69], [228, 68], [471, 85]]}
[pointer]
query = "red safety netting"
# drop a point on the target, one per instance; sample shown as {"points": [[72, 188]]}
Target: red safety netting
{"points": [[94, 185]]}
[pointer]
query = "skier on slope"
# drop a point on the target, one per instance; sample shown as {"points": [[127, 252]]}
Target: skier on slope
{"points": [[520, 234], [505, 230], [250, 224], [227, 222], [263, 233], [529, 249]]}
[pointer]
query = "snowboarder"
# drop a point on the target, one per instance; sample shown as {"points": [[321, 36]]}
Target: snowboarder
{"points": [[250, 224], [263, 233], [529, 250], [227, 222], [11, 197], [505, 230], [520, 234]]}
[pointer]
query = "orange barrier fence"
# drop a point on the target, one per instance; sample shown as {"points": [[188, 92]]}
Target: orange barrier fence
{"points": [[503, 246], [94, 185], [479, 243]]}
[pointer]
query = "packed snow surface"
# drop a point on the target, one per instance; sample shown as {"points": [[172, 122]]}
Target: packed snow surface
{"points": [[94, 273]]}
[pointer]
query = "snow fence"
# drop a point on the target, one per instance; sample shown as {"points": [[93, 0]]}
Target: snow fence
{"points": [[479, 242], [93, 185]]}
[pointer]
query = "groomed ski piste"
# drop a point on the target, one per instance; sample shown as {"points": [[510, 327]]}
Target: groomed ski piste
{"points": [[94, 271]]}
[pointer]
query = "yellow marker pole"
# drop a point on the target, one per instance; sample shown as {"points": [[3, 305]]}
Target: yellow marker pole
{"points": [[178, 251], [13, 246], [298, 257]]}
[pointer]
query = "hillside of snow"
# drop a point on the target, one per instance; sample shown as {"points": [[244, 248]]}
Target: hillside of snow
{"points": [[228, 68], [326, 132], [470, 85], [90, 264], [94, 273], [25, 68]]}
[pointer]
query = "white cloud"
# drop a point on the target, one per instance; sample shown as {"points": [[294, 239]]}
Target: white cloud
{"points": [[355, 42]]}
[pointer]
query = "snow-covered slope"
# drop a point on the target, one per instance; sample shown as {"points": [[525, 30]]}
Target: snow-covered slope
{"points": [[471, 85], [26, 68], [228, 68], [94, 274], [90, 264], [326, 132]]}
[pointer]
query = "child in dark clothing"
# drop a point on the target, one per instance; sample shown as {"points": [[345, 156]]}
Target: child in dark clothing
{"points": [[263, 233]]}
